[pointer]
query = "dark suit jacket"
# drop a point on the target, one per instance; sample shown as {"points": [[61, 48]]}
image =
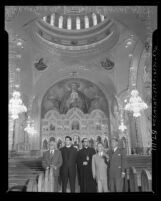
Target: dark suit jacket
{"points": [[117, 163], [52, 159], [69, 163]]}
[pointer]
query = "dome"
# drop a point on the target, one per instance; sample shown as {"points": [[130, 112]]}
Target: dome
{"points": [[74, 21], [76, 29]]}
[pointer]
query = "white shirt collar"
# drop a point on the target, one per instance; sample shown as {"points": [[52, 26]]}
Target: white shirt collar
{"points": [[100, 153], [115, 149], [52, 151], [68, 146]]}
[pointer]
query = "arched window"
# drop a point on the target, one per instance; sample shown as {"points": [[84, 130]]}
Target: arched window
{"points": [[102, 17], [69, 23], [77, 23], [94, 19], [60, 22], [52, 19], [86, 22], [44, 19]]}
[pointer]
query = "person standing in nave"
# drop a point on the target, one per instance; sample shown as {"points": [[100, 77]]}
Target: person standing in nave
{"points": [[53, 159], [84, 163], [117, 166], [99, 168], [68, 168]]}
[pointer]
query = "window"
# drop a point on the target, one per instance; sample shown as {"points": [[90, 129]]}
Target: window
{"points": [[86, 22], [102, 17], [77, 23], [60, 25], [94, 19], [69, 23], [52, 19]]}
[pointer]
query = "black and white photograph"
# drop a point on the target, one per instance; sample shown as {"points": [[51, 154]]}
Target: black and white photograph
{"points": [[80, 98]]}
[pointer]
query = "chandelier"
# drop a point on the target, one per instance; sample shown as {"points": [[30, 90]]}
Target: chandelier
{"points": [[135, 104], [16, 105], [30, 127], [122, 126]]}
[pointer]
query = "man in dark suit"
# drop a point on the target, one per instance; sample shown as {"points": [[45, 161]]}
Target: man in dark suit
{"points": [[84, 162], [117, 166], [68, 168], [53, 159]]}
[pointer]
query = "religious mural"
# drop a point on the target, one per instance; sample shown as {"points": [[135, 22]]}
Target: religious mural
{"points": [[74, 93]]}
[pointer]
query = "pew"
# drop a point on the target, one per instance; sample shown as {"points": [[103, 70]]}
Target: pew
{"points": [[43, 183], [133, 182], [146, 181], [30, 185]]}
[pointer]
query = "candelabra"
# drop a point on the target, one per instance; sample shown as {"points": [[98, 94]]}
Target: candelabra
{"points": [[16, 107], [135, 103]]}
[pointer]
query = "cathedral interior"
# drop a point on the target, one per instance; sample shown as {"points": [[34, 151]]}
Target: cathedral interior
{"points": [[82, 71]]}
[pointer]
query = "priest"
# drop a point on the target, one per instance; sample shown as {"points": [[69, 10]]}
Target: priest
{"points": [[84, 164]]}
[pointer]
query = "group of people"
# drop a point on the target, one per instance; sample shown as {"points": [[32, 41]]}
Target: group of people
{"points": [[97, 170]]}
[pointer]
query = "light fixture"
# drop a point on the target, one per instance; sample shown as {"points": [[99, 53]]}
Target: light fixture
{"points": [[30, 127], [122, 126], [135, 104], [18, 69], [20, 43], [17, 85], [16, 105], [129, 43]]}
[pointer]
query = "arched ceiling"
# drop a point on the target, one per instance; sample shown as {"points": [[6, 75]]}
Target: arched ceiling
{"points": [[99, 47], [69, 93]]}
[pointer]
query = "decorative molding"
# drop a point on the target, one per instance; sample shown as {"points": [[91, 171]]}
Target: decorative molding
{"points": [[144, 13], [11, 12]]}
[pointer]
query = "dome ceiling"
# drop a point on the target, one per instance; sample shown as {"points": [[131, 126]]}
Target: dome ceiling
{"points": [[76, 32], [74, 21]]}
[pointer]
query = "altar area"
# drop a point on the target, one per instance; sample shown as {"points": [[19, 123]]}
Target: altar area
{"points": [[75, 124], [74, 107]]}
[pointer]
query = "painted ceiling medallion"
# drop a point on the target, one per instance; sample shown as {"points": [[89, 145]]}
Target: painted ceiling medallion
{"points": [[107, 64], [40, 65]]}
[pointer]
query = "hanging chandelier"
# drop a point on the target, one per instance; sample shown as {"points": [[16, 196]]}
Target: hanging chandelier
{"points": [[135, 104], [16, 105], [122, 126], [30, 127]]}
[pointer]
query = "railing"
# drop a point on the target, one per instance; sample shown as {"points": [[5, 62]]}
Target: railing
{"points": [[137, 181], [141, 151], [146, 181], [133, 182], [44, 182]]}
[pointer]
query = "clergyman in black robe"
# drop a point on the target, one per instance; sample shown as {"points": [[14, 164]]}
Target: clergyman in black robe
{"points": [[84, 164]]}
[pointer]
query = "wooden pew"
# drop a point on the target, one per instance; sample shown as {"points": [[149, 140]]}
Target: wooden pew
{"points": [[46, 181], [32, 186], [41, 182], [51, 180], [146, 181], [133, 180]]}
